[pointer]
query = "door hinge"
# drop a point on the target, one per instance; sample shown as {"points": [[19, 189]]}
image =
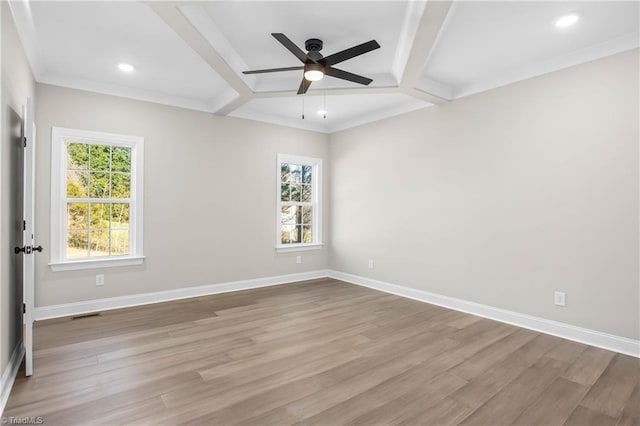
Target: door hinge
{"points": [[25, 142], [24, 308], [24, 225]]}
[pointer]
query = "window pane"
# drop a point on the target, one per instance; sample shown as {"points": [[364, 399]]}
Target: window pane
{"points": [[306, 193], [306, 215], [296, 173], [99, 243], [291, 215], [285, 174], [99, 157], [286, 234], [296, 237], [121, 185], [307, 237], [120, 215], [77, 244], [120, 159], [297, 213], [295, 192], [285, 194], [77, 215], [306, 174], [77, 156], [287, 215], [99, 185], [77, 184], [99, 216], [119, 242]]}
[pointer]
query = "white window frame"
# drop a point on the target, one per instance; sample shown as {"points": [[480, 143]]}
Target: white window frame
{"points": [[316, 203], [59, 137]]}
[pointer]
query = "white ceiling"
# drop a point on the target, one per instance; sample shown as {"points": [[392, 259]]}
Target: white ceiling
{"points": [[343, 111], [252, 46], [486, 44], [79, 44], [192, 54]]}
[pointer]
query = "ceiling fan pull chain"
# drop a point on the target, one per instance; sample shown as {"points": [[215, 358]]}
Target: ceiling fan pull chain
{"points": [[324, 105], [302, 107]]}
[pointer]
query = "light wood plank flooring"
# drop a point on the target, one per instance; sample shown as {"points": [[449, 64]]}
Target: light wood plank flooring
{"points": [[320, 352]]}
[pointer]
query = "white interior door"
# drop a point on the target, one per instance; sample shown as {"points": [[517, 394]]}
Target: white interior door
{"points": [[28, 265]]}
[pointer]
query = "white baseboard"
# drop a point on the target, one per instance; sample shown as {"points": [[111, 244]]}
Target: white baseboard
{"points": [[590, 337], [9, 376], [78, 308], [610, 342]]}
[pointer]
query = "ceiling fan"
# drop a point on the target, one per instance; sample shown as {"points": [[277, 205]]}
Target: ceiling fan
{"points": [[317, 66]]}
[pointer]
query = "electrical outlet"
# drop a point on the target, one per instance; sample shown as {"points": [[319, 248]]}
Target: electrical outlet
{"points": [[298, 259], [370, 263], [559, 298], [99, 280]]}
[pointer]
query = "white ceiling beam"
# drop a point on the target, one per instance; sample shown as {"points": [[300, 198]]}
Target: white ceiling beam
{"points": [[425, 96], [170, 13], [410, 25], [433, 18], [233, 105]]}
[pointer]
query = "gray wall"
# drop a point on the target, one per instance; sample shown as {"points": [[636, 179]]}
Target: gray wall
{"points": [[503, 197], [499, 198], [209, 195], [17, 85]]}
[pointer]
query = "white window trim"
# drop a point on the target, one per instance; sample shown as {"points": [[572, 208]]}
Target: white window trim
{"points": [[285, 248], [316, 190], [58, 208]]}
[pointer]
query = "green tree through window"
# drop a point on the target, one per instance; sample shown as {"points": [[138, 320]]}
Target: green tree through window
{"points": [[98, 195]]}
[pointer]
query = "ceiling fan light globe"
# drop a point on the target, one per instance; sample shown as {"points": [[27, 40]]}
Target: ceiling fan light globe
{"points": [[126, 68], [567, 21], [313, 75]]}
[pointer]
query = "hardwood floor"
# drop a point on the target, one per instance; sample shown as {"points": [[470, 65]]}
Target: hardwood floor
{"points": [[320, 352]]}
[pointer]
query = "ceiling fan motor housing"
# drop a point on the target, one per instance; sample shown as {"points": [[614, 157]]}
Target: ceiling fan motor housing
{"points": [[313, 45]]}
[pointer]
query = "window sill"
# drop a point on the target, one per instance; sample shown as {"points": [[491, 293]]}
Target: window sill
{"points": [[75, 265], [298, 247]]}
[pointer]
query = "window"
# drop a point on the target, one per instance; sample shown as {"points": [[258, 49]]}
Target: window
{"points": [[299, 203], [96, 199]]}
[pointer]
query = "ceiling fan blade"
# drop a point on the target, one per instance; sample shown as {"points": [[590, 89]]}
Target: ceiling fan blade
{"points": [[334, 72], [351, 52], [291, 47], [274, 70], [304, 86]]}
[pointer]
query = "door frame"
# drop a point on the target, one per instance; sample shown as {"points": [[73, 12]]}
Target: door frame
{"points": [[28, 234]]}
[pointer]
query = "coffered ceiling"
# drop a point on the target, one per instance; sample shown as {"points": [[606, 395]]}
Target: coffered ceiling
{"points": [[192, 54]]}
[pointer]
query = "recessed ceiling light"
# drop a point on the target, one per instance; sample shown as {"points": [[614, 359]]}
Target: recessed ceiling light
{"points": [[126, 67], [322, 112], [566, 21]]}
